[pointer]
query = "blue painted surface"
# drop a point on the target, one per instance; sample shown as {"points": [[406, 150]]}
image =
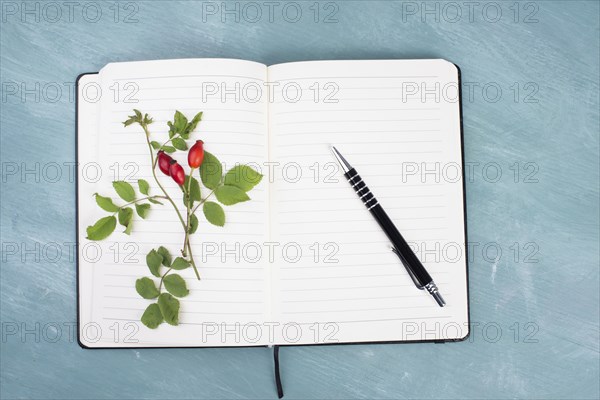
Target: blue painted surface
{"points": [[547, 311]]}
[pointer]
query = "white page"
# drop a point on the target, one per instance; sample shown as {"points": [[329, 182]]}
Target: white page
{"points": [[233, 290], [362, 293]]}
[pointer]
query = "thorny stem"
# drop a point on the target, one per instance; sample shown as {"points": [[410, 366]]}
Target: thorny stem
{"points": [[187, 243], [192, 258], [186, 239], [183, 224]]}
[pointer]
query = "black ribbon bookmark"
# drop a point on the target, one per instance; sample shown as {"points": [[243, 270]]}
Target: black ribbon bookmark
{"points": [[277, 375]]}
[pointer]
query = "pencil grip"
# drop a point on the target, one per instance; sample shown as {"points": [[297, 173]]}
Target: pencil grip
{"points": [[361, 189]]}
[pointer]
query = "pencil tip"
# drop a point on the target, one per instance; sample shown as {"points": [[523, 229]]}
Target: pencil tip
{"points": [[343, 163]]}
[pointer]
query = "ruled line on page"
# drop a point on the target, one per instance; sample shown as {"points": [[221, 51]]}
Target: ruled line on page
{"points": [[341, 100], [249, 234], [164, 122], [361, 77], [379, 320], [194, 290], [355, 121], [350, 132], [346, 198], [144, 88], [362, 219], [331, 266], [227, 324], [144, 267], [300, 185], [328, 210], [382, 143], [222, 154], [185, 109], [188, 76], [211, 131], [212, 278], [417, 296], [370, 153], [191, 301], [359, 110], [351, 298], [387, 208], [312, 278], [346, 288], [185, 312], [212, 143], [360, 232], [327, 311]]}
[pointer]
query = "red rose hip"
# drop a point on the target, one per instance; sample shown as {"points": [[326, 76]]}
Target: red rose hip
{"points": [[196, 154], [177, 173], [164, 162]]}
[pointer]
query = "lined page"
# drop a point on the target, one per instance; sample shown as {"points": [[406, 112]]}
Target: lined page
{"points": [[337, 279], [233, 290]]}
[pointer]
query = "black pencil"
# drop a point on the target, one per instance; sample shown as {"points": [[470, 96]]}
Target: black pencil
{"points": [[411, 262]]}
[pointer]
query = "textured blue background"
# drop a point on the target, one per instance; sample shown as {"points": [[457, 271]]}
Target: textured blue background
{"points": [[555, 300]]}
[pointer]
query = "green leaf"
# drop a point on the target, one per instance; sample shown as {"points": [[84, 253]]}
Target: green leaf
{"points": [[211, 171], [176, 285], [180, 263], [193, 223], [165, 255], [230, 195], [155, 145], [130, 121], [169, 308], [125, 216], [194, 191], [179, 144], [194, 122], [102, 228], [169, 149], [243, 177], [106, 203], [194, 188], [153, 201], [153, 260], [214, 213], [144, 186], [142, 209], [128, 229], [180, 122], [124, 190], [138, 114], [152, 317], [146, 288]]}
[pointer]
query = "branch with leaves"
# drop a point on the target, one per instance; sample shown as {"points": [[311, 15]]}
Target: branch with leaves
{"points": [[228, 189]]}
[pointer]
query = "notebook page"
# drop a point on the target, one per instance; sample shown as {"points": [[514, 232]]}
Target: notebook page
{"points": [[233, 290], [394, 121]]}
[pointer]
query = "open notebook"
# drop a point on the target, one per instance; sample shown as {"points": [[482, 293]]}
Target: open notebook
{"points": [[325, 272]]}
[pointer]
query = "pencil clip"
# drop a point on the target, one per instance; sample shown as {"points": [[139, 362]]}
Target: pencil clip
{"points": [[412, 276]]}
